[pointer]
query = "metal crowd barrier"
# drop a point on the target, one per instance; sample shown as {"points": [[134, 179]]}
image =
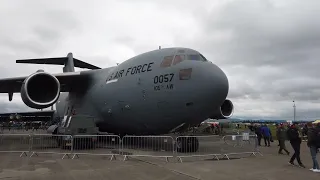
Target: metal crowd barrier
{"points": [[242, 144], [304, 138], [206, 145], [50, 144], [98, 145], [15, 143], [148, 146], [130, 146]]}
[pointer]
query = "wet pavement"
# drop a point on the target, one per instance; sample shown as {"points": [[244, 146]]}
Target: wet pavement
{"points": [[51, 166]]}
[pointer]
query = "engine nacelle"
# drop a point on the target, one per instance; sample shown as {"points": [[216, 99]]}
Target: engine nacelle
{"points": [[224, 112], [40, 90]]}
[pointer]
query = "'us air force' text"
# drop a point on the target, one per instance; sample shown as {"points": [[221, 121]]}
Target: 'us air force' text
{"points": [[131, 71]]}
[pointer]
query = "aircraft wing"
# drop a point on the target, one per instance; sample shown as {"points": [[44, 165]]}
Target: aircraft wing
{"points": [[67, 81], [31, 113]]}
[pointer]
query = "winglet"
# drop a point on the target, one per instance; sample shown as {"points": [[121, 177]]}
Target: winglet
{"points": [[69, 62]]}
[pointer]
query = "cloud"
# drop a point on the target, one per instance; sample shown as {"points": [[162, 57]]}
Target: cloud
{"points": [[269, 49]]}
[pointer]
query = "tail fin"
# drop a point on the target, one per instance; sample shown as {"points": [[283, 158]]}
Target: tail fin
{"points": [[69, 62]]}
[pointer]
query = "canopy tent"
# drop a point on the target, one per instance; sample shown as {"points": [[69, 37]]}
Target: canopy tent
{"points": [[316, 121]]}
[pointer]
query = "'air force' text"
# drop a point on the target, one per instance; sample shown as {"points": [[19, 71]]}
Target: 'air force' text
{"points": [[131, 71]]}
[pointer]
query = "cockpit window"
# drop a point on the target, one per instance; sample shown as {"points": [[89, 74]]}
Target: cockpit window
{"points": [[194, 57], [178, 59], [167, 60], [203, 58], [197, 57], [181, 51]]}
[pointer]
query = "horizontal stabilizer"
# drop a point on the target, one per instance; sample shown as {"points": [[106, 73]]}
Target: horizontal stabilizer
{"points": [[58, 61]]}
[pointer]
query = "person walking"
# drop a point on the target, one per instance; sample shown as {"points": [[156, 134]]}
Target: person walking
{"points": [[305, 130], [282, 136], [278, 126], [314, 145], [266, 135], [295, 141], [259, 134]]}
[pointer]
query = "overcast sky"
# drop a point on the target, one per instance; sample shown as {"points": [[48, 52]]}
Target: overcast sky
{"points": [[269, 49]]}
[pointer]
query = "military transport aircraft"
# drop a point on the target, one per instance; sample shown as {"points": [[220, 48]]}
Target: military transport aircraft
{"points": [[157, 92]]}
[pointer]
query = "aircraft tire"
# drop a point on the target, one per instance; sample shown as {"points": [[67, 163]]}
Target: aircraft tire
{"points": [[187, 144]]}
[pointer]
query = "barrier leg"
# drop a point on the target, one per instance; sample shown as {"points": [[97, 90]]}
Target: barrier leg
{"points": [[112, 157], [75, 155], [226, 155], [23, 153], [125, 158], [65, 156], [34, 153]]}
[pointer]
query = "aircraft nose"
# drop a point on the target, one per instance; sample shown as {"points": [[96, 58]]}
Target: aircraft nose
{"points": [[215, 85]]}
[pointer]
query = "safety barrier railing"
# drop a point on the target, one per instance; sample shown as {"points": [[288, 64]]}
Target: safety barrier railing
{"points": [[51, 144], [148, 146], [198, 146], [15, 143], [240, 144], [130, 146], [304, 138], [101, 145]]}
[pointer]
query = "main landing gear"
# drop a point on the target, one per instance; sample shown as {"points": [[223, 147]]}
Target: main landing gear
{"points": [[187, 144]]}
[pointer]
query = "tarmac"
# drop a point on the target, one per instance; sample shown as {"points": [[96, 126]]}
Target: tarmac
{"points": [[270, 166]]}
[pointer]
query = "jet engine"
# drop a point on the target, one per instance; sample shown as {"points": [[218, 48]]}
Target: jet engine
{"points": [[224, 112], [40, 90]]}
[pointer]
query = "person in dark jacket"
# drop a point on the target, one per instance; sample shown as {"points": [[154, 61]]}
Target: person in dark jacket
{"points": [[295, 141], [278, 126], [313, 144], [282, 136], [305, 130], [259, 134], [265, 130]]}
